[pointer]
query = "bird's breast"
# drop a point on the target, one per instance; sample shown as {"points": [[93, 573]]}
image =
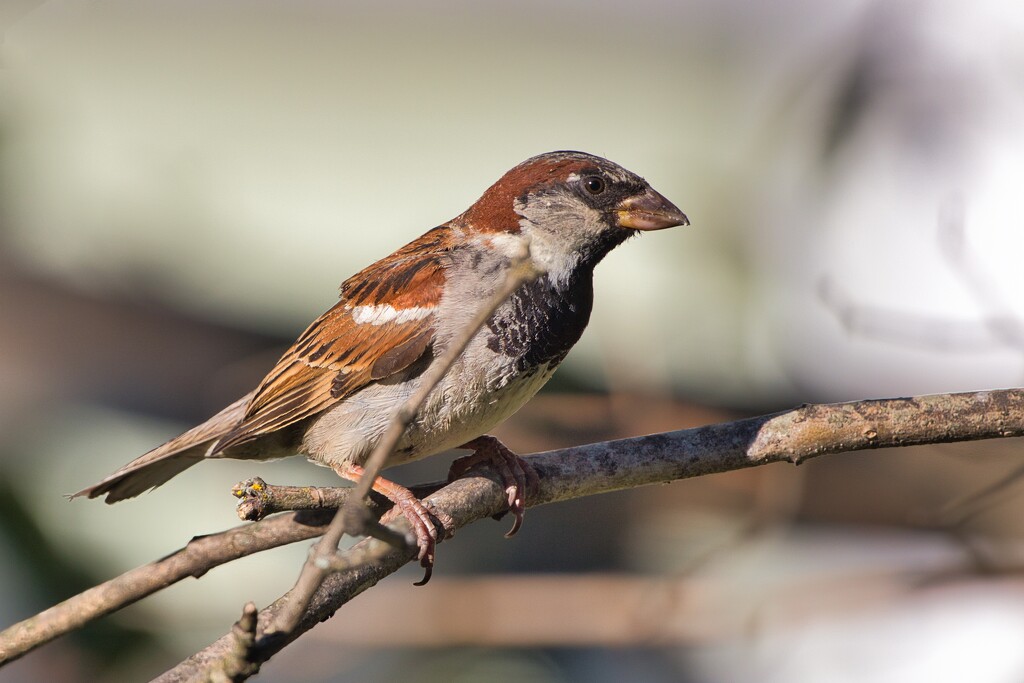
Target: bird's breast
{"points": [[540, 323], [504, 365]]}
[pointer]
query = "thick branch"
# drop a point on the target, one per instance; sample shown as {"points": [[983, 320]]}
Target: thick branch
{"points": [[791, 436]]}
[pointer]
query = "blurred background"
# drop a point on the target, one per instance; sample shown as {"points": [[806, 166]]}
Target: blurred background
{"points": [[184, 184]]}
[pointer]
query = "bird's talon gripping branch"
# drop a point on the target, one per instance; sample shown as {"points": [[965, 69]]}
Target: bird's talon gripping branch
{"points": [[408, 506], [447, 523], [516, 473]]}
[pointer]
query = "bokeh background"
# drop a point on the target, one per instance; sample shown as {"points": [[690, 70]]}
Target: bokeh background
{"points": [[183, 184]]}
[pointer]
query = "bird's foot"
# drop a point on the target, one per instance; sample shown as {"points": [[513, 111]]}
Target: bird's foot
{"points": [[516, 473], [423, 528], [413, 509]]}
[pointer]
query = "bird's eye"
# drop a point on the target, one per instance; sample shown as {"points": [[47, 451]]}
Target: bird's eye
{"points": [[594, 184]]}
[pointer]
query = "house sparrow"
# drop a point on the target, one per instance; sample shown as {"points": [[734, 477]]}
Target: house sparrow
{"points": [[333, 393]]}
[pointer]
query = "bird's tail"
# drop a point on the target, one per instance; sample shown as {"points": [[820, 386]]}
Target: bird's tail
{"points": [[164, 462]]}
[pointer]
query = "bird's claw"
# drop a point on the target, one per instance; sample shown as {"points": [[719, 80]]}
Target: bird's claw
{"points": [[516, 473], [425, 531]]}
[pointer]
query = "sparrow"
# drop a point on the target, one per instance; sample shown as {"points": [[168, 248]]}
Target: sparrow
{"points": [[333, 393]]}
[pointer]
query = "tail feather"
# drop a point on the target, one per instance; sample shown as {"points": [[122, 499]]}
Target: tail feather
{"points": [[172, 458]]}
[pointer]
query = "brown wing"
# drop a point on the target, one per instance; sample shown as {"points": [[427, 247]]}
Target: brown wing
{"points": [[383, 323]]}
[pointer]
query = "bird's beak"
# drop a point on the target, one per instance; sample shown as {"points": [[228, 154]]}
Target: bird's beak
{"points": [[649, 211]]}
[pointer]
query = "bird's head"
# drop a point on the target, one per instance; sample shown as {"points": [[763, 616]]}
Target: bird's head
{"points": [[575, 208]]}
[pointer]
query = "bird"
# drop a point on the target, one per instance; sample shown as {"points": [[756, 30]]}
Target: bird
{"points": [[332, 394]]}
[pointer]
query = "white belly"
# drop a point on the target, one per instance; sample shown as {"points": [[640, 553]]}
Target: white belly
{"points": [[463, 406], [450, 419]]}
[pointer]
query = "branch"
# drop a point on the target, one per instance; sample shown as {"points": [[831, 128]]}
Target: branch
{"points": [[259, 500], [792, 436], [238, 664], [199, 556]]}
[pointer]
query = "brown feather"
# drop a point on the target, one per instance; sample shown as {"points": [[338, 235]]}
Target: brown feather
{"points": [[337, 356], [166, 461], [402, 356]]}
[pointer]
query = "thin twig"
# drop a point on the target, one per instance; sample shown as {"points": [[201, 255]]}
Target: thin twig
{"points": [[319, 563], [258, 499]]}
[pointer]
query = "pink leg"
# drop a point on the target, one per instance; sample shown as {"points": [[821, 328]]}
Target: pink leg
{"points": [[517, 474], [410, 507]]}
